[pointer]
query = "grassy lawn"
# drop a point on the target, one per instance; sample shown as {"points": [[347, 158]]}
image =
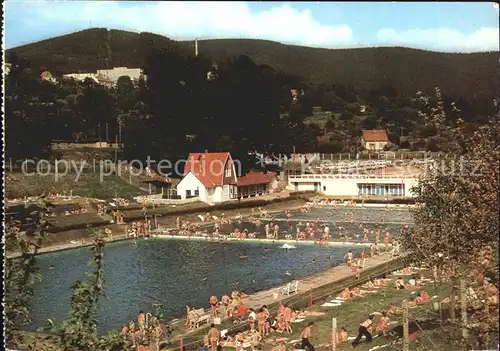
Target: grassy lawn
{"points": [[301, 301], [353, 312], [18, 185]]}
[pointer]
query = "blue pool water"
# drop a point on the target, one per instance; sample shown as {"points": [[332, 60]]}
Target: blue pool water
{"points": [[177, 272], [172, 272]]}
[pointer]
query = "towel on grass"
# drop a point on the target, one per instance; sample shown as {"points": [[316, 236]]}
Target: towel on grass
{"points": [[329, 304], [378, 347]]}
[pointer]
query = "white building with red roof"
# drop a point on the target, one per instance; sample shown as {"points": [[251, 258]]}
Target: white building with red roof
{"points": [[375, 139], [256, 183], [211, 176]]}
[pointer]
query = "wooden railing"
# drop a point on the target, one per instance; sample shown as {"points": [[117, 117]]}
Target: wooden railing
{"points": [[291, 179]]}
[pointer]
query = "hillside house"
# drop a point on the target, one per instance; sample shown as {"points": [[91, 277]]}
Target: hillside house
{"points": [[257, 183], [47, 76], [375, 140], [81, 76], [7, 68], [117, 72], [211, 176], [296, 93]]}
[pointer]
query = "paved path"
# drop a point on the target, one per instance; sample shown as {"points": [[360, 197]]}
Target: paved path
{"points": [[314, 281]]}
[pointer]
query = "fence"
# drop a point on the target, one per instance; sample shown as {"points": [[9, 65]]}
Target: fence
{"points": [[158, 199], [97, 145], [363, 155], [347, 176]]}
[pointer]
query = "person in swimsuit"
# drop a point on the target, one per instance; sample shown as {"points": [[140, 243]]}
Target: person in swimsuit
{"points": [[383, 324], [188, 309], [345, 294], [225, 302], [213, 304], [141, 319], [342, 337], [281, 308], [305, 336], [125, 329], [252, 316], [287, 316], [213, 337], [261, 322]]}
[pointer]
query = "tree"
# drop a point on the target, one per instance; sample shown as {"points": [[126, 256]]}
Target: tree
{"points": [[21, 274], [457, 219], [79, 331]]}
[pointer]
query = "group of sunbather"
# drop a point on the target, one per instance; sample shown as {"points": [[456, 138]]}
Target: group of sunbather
{"points": [[137, 333]]}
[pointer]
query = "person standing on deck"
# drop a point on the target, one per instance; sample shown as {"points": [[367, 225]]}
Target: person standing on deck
{"points": [[213, 305], [213, 337], [327, 232], [305, 336], [348, 257], [142, 320]]}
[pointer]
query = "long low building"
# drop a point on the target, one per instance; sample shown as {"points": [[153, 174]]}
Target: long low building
{"points": [[354, 184]]}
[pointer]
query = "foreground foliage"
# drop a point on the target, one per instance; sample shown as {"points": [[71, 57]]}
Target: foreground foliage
{"points": [[457, 222], [21, 273]]}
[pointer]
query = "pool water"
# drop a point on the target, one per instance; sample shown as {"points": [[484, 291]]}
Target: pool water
{"points": [[334, 217], [174, 273]]}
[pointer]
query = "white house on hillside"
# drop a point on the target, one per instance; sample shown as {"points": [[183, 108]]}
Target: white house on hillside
{"points": [[210, 176], [375, 140]]}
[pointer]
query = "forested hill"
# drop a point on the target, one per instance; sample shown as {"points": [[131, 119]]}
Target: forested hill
{"points": [[472, 76]]}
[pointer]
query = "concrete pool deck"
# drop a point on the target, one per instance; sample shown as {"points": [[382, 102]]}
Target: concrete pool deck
{"points": [[121, 237], [116, 238], [267, 241], [313, 281]]}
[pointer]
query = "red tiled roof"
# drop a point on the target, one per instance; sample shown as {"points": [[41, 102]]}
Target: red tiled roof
{"points": [[375, 135], [208, 167], [254, 177]]}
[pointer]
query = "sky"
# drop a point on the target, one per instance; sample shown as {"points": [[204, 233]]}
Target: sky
{"points": [[437, 26]]}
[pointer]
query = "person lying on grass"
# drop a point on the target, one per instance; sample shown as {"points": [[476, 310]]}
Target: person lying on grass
{"points": [[420, 299], [399, 284], [356, 292], [345, 294]]}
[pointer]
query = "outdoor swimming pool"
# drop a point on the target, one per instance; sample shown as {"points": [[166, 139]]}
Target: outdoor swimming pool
{"points": [[334, 217], [177, 272], [174, 273]]}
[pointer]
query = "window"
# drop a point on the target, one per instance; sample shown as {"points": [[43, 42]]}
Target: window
{"points": [[324, 188], [228, 171], [188, 193], [197, 192]]}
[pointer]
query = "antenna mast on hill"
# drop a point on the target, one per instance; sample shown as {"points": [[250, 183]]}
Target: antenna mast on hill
{"points": [[196, 47]]}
